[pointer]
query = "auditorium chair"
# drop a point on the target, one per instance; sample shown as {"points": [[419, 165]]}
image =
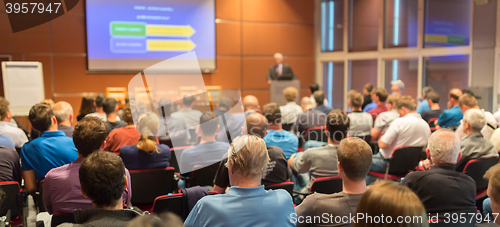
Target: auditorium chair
{"points": [[326, 185], [402, 161], [316, 133], [288, 186], [59, 218], [14, 204], [38, 198], [174, 160], [431, 124], [202, 176], [476, 168], [172, 203], [150, 183]]}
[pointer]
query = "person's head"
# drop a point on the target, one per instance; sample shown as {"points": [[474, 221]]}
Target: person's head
{"points": [[188, 100], [87, 106], [313, 87], [42, 117], [355, 99], [99, 100], [278, 58], [290, 94], [225, 103], [426, 91], [272, 113], [247, 159], [89, 135], [110, 105], [367, 89], [405, 105], [453, 97], [337, 125], [354, 159], [443, 147], [5, 114], [152, 220], [390, 199], [127, 114], [208, 124], [306, 103], [165, 107], [319, 97], [148, 127], [397, 87], [474, 121], [379, 95], [256, 124], [49, 102], [63, 112], [103, 179], [250, 102], [391, 101], [432, 98], [467, 102], [493, 177]]}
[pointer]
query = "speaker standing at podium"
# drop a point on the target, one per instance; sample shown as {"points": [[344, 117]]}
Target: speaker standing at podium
{"points": [[280, 71]]}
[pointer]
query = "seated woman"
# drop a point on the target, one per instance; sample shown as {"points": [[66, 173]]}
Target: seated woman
{"points": [[147, 154], [126, 135]]}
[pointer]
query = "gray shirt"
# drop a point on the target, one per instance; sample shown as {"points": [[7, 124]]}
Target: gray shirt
{"points": [[339, 205], [176, 129], [318, 161], [360, 124], [290, 111], [384, 120], [308, 119], [475, 146], [192, 117]]}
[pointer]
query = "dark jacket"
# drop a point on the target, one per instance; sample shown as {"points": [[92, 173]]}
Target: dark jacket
{"points": [[286, 73], [102, 217]]}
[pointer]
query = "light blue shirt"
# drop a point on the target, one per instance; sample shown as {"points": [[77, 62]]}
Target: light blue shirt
{"points": [[243, 207], [450, 117], [370, 106], [423, 106], [285, 140], [6, 141]]}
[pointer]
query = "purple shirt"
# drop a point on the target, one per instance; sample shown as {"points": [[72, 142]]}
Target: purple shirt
{"points": [[61, 189]]}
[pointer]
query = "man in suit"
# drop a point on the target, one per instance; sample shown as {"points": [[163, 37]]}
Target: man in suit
{"points": [[280, 70]]}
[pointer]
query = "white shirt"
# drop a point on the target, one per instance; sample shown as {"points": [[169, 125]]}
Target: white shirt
{"points": [[360, 124], [487, 131], [290, 111], [410, 130], [384, 120], [102, 116], [16, 134]]}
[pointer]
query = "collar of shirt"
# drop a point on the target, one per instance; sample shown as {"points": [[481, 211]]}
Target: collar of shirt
{"points": [[413, 115], [447, 166], [7, 124], [234, 190], [185, 110], [52, 133]]}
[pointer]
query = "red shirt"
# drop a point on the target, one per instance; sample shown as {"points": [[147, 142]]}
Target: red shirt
{"points": [[121, 137], [375, 112]]}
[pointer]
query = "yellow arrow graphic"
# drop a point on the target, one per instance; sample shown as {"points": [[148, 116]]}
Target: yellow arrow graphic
{"points": [[170, 30], [170, 45]]}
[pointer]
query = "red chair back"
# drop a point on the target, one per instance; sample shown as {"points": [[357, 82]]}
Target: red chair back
{"points": [[404, 159], [13, 199], [59, 218], [326, 185], [316, 133], [174, 152], [288, 186], [431, 124], [171, 203], [203, 176], [151, 183], [476, 168]]}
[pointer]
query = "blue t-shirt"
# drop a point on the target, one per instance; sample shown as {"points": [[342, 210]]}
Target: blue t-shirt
{"points": [[6, 141], [244, 207], [450, 117], [52, 149], [135, 159], [370, 106], [423, 106], [202, 154], [285, 140]]}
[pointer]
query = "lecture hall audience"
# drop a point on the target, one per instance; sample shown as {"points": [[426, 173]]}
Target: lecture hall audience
{"points": [[52, 149], [310, 118], [367, 92], [424, 104], [190, 115], [173, 128], [433, 113], [276, 136], [360, 122], [99, 108], [291, 110], [397, 87], [450, 118], [87, 106], [7, 128], [354, 158], [64, 115], [110, 107], [313, 87], [319, 96], [223, 106], [61, 187], [126, 135], [247, 164], [236, 121], [467, 102], [379, 96], [385, 119]]}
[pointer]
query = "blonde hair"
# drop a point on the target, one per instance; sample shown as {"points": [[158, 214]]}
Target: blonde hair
{"points": [[391, 199], [49, 102], [290, 94], [407, 102], [493, 175], [355, 98], [392, 99], [148, 126], [249, 156]]}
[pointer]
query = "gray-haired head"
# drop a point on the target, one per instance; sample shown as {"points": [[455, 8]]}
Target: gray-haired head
{"points": [[444, 147], [475, 119], [62, 111]]}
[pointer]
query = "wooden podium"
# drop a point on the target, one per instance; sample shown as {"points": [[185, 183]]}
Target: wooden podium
{"points": [[277, 87]]}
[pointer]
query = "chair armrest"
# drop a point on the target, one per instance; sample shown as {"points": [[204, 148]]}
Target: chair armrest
{"points": [[301, 193]]}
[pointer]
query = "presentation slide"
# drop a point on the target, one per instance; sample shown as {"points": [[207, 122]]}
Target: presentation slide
{"points": [[132, 35]]}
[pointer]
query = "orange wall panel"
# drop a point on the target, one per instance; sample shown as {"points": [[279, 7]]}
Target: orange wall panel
{"points": [[228, 9], [290, 11], [228, 38]]}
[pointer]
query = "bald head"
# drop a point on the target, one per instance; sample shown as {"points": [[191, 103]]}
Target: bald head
{"points": [[63, 111], [250, 102], [256, 124], [454, 95], [306, 103]]}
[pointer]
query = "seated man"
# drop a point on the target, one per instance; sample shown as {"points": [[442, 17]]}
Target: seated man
{"points": [[361, 122], [190, 116], [354, 160], [385, 119], [110, 107], [441, 189], [467, 102], [174, 128], [126, 135], [424, 104], [408, 130], [318, 161], [291, 110], [64, 115], [474, 145], [52, 149], [277, 169], [310, 118], [103, 180], [276, 136], [7, 128], [450, 118], [208, 151], [367, 92], [319, 96], [225, 103], [246, 203], [435, 110], [61, 187], [236, 121], [379, 96], [99, 109]]}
